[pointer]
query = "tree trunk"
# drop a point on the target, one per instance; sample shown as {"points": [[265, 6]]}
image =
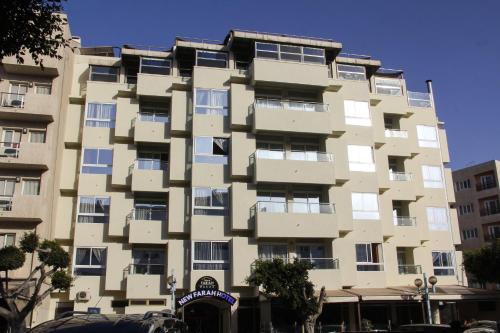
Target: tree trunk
{"points": [[309, 324], [17, 326]]}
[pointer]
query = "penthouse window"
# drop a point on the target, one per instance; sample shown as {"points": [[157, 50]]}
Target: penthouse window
{"points": [[211, 102], [210, 201], [156, 66], [97, 161], [104, 73], [289, 53], [90, 261], [211, 59], [211, 255], [100, 115], [211, 150], [349, 72], [93, 209]]}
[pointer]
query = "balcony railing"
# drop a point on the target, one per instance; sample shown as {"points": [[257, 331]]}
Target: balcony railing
{"points": [[419, 99], [12, 100], [295, 207], [400, 176], [146, 269], [9, 149], [405, 221], [396, 133], [489, 211], [410, 269], [153, 117], [148, 164], [444, 271], [312, 156], [148, 214], [386, 86], [486, 185], [370, 267], [5, 204], [281, 104], [318, 263]]}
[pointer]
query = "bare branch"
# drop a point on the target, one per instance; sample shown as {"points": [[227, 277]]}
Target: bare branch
{"points": [[25, 284], [321, 300], [34, 298], [45, 294]]}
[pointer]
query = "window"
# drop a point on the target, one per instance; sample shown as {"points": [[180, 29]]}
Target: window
{"points": [[150, 160], [427, 136], [490, 206], [308, 202], [90, 261], [212, 150], [37, 136], [443, 263], [486, 181], [93, 209], [289, 53], [7, 240], [369, 257], [148, 262], [11, 138], [270, 150], [97, 161], [437, 218], [432, 176], [271, 201], [462, 185], [15, 97], [43, 88], [210, 201], [469, 233], [494, 231], [466, 209], [211, 255], [104, 73], [349, 72], [271, 251], [150, 210], [361, 158], [211, 102], [154, 112], [388, 86], [31, 186], [7, 187], [100, 115], [211, 59], [316, 255], [357, 113], [365, 206], [156, 66]]}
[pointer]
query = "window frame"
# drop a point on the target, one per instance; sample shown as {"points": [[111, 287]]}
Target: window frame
{"points": [[141, 65], [378, 79], [38, 131], [3, 238], [273, 245], [432, 225], [224, 209], [28, 179], [218, 159], [354, 217], [214, 109], [91, 73], [111, 121], [225, 264], [431, 183], [100, 267], [226, 60], [94, 197], [351, 74], [45, 85], [102, 166], [302, 55], [359, 165], [425, 142], [451, 258], [357, 120]]}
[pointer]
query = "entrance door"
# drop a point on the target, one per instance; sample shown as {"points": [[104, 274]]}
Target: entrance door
{"points": [[204, 317]]}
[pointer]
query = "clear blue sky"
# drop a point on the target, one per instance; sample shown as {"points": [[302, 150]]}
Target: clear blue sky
{"points": [[456, 43]]}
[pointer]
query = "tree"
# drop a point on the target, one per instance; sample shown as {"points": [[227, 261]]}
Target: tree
{"points": [[289, 282], [484, 263], [19, 301], [33, 27]]}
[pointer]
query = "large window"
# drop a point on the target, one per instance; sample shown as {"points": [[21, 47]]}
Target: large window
{"points": [[388, 86], [31, 186], [211, 59], [148, 261], [104, 73], [349, 72], [357, 113], [211, 150], [93, 209], [7, 240], [289, 53], [316, 255], [427, 136], [90, 261], [211, 255], [210, 201], [211, 101], [97, 161], [100, 115], [7, 187], [154, 112], [437, 218], [156, 66], [271, 251], [365, 206], [151, 160], [443, 263], [150, 210], [369, 257], [432, 175], [361, 158]]}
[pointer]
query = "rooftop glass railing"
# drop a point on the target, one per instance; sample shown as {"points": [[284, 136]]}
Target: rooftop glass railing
{"points": [[419, 99]]}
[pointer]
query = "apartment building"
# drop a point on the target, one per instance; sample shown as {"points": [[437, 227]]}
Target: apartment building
{"points": [[478, 207], [192, 162]]}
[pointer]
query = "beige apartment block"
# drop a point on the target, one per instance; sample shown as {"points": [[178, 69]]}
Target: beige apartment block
{"points": [[478, 208], [194, 161]]}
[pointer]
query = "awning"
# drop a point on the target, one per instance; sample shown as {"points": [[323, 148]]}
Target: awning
{"points": [[340, 296], [383, 294]]}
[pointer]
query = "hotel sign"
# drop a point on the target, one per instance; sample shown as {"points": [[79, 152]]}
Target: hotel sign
{"points": [[206, 286]]}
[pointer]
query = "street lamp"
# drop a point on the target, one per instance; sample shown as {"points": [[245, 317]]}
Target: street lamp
{"points": [[432, 280]]}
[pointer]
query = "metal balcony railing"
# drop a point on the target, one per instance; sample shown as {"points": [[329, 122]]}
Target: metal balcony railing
{"points": [[400, 176], [282, 104], [444, 271], [370, 267], [12, 100], [489, 211], [155, 117], [486, 185], [148, 164], [146, 269], [5, 203], [396, 133], [410, 269], [312, 156], [10, 149], [419, 99], [294, 207], [405, 221], [318, 263], [148, 214]]}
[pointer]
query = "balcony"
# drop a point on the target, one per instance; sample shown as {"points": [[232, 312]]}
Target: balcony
{"points": [[396, 133], [295, 220], [486, 211], [280, 72], [157, 85], [485, 185], [400, 176], [27, 107], [409, 269], [144, 285], [419, 99], [28, 208], [295, 167], [277, 115], [149, 175], [147, 226], [405, 221], [151, 128], [24, 155]]}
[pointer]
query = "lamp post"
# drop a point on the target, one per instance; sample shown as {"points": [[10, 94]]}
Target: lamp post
{"points": [[432, 280], [172, 282]]}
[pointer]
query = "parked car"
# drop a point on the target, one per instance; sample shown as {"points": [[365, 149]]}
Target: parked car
{"points": [[427, 328], [151, 322], [483, 326]]}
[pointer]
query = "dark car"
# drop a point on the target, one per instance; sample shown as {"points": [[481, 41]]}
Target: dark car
{"points": [[151, 322], [427, 328]]}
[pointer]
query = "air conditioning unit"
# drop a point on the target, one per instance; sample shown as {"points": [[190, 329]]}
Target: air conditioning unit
{"points": [[83, 296]]}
